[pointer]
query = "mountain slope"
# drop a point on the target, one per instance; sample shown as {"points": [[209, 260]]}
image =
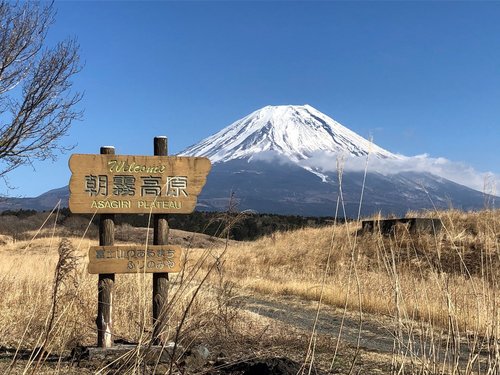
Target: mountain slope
{"points": [[266, 160], [295, 132], [44, 202], [291, 190], [269, 161]]}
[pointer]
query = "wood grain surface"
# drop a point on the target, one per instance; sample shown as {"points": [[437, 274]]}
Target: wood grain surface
{"points": [[135, 184], [134, 258]]}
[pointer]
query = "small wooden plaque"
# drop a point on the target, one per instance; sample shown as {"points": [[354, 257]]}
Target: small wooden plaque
{"points": [[126, 184], [134, 259]]}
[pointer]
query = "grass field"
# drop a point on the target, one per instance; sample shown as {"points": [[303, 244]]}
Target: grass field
{"points": [[428, 285]]}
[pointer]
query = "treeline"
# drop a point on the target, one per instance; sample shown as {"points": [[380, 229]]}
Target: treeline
{"points": [[243, 226], [239, 226]]}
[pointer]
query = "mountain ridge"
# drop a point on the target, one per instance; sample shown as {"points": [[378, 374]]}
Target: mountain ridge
{"points": [[266, 162], [290, 130], [267, 158]]}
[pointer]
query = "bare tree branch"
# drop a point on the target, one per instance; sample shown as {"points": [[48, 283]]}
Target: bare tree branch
{"points": [[37, 105]]}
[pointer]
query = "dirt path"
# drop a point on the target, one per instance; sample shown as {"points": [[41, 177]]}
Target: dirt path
{"points": [[301, 314], [378, 333]]}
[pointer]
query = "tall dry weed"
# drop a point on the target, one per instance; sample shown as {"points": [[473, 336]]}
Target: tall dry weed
{"points": [[440, 290]]}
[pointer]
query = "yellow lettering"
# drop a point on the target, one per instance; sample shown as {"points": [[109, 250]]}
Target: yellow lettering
{"points": [[111, 165], [115, 166], [113, 204]]}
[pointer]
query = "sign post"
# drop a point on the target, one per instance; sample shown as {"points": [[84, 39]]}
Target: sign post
{"points": [[104, 320], [160, 280], [107, 184]]}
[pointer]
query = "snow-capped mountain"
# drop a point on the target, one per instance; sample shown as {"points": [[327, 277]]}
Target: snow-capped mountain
{"points": [[305, 142], [298, 134], [293, 131]]}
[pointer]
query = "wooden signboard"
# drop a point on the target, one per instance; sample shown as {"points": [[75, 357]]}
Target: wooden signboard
{"points": [[135, 184], [133, 259]]}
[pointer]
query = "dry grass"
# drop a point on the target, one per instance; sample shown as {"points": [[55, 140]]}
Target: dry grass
{"points": [[432, 285], [459, 265], [444, 284], [35, 313]]}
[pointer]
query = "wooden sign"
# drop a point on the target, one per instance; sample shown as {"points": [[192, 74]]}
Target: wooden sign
{"points": [[135, 184], [133, 259]]}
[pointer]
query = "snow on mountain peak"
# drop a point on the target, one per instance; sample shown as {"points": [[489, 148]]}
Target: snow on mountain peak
{"points": [[296, 132]]}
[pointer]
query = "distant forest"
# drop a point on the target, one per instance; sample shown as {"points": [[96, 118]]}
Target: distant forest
{"points": [[241, 226]]}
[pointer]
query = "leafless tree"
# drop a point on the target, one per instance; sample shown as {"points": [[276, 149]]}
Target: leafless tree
{"points": [[37, 105]]}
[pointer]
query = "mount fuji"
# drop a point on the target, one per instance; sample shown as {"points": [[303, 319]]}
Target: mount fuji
{"points": [[290, 160], [268, 162], [295, 132]]}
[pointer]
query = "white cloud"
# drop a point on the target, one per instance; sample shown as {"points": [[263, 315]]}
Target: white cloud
{"points": [[271, 156], [458, 172]]}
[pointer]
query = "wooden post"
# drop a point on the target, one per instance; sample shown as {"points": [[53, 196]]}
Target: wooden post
{"points": [[104, 318], [160, 280]]}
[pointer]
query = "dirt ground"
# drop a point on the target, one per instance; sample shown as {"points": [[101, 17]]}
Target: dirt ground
{"points": [[280, 345]]}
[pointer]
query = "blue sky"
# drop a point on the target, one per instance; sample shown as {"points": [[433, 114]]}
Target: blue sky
{"points": [[420, 77]]}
